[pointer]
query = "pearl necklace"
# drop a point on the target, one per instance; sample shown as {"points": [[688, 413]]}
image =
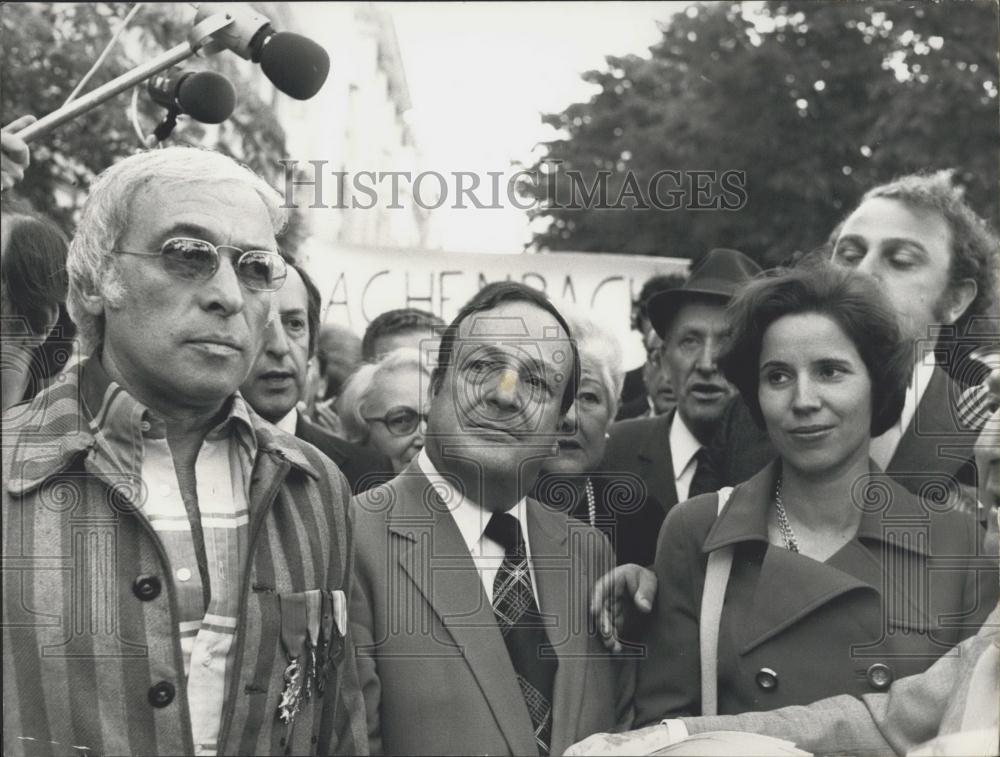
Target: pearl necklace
{"points": [[588, 489], [787, 535]]}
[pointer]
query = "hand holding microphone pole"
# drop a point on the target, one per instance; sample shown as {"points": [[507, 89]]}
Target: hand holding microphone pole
{"points": [[14, 154]]}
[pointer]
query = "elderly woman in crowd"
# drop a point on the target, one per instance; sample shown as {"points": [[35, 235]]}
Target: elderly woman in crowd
{"points": [[383, 405], [832, 587], [574, 479]]}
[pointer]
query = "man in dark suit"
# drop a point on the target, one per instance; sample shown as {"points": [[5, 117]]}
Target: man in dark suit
{"points": [[936, 262], [470, 599], [666, 452], [276, 383]]}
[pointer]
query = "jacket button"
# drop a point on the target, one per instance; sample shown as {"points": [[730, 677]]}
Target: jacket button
{"points": [[146, 587], [766, 679], [879, 676], [161, 694]]}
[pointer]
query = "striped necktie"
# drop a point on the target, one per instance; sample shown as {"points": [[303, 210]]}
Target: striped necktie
{"points": [[522, 627]]}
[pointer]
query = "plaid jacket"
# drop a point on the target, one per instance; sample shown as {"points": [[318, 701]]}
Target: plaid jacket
{"points": [[92, 659]]}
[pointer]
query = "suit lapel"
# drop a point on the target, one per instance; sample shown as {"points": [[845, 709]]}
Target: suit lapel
{"points": [[432, 553], [656, 468], [921, 448], [305, 430], [560, 572], [896, 540]]}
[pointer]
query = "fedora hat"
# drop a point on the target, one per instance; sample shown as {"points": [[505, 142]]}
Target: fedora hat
{"points": [[719, 274]]}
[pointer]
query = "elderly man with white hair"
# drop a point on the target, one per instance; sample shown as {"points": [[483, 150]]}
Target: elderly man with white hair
{"points": [[175, 568]]}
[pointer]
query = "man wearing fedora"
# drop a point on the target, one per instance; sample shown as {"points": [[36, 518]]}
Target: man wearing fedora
{"points": [[668, 452]]}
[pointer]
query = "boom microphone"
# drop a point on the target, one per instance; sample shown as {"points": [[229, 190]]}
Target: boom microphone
{"points": [[204, 95], [295, 64]]}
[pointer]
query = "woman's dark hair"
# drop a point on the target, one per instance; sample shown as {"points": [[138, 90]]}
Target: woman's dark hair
{"points": [[33, 268], [34, 283], [848, 298], [489, 297]]}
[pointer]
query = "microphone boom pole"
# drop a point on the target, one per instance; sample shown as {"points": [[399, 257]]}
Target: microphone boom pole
{"points": [[200, 34]]}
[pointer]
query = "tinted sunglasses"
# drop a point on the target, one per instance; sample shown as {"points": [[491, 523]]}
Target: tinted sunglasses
{"points": [[198, 260], [400, 420]]}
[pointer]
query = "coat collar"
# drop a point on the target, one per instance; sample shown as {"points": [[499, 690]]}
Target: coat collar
{"points": [[791, 586], [418, 500], [274, 441], [655, 438], [48, 434], [329, 444], [655, 467], [745, 516], [883, 502], [563, 573], [87, 413]]}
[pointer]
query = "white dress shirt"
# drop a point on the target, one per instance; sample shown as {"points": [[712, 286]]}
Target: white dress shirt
{"points": [[683, 448], [884, 447], [472, 520], [289, 422], [650, 408]]}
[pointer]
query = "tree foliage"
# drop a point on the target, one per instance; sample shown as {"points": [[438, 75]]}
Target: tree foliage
{"points": [[814, 101], [46, 50]]}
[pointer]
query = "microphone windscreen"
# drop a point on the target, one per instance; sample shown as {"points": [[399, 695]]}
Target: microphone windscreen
{"points": [[295, 64], [207, 97]]}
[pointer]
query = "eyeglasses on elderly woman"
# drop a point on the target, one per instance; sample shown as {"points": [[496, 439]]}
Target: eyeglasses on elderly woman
{"points": [[198, 260], [399, 420]]}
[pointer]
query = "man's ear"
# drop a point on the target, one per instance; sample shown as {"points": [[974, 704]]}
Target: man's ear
{"points": [[92, 298], [960, 296]]}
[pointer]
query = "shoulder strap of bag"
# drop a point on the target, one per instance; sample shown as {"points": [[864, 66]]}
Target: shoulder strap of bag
{"points": [[720, 562]]}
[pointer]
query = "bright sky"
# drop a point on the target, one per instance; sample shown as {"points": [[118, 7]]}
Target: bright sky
{"points": [[480, 75]]}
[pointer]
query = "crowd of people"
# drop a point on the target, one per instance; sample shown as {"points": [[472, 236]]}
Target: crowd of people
{"points": [[229, 527]]}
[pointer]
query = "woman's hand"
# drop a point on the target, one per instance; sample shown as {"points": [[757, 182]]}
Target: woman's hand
{"points": [[617, 595]]}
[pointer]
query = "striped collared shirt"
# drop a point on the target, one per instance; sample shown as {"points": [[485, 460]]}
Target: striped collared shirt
{"points": [[204, 540]]}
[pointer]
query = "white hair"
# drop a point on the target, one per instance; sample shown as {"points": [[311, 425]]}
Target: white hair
{"points": [[599, 350], [108, 211], [358, 388]]}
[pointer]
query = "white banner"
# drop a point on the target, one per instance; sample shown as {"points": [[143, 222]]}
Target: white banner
{"points": [[358, 284]]}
